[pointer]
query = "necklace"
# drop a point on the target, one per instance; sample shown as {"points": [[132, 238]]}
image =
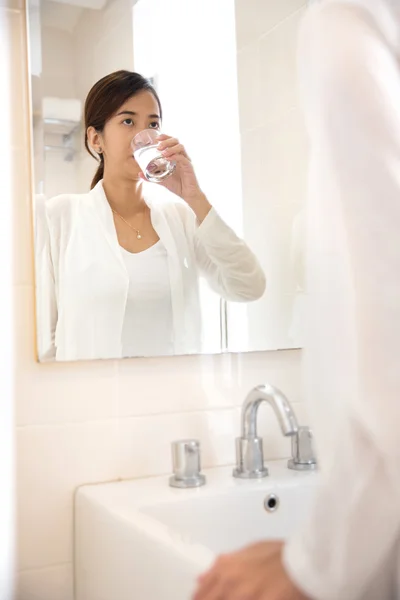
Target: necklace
{"points": [[138, 234]]}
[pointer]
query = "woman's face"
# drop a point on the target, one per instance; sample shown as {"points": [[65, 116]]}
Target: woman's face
{"points": [[139, 112]]}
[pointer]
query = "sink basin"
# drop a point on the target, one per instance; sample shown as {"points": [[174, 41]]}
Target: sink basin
{"points": [[142, 540]]}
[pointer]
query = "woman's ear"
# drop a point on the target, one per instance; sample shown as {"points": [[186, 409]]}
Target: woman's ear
{"points": [[95, 140]]}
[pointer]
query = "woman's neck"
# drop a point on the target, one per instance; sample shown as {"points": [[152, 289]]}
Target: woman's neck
{"points": [[126, 197]]}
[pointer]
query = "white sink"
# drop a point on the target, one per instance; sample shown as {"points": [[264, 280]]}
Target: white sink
{"points": [[142, 540]]}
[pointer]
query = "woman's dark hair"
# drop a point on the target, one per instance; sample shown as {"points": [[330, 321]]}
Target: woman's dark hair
{"points": [[105, 98]]}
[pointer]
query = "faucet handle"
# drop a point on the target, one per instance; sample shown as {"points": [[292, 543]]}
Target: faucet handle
{"points": [[303, 457], [250, 459], [186, 464]]}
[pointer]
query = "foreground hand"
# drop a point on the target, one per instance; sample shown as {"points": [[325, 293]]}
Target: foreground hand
{"points": [[254, 573], [183, 182]]}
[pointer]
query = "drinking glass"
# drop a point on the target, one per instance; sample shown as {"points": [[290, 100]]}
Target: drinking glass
{"points": [[154, 165]]}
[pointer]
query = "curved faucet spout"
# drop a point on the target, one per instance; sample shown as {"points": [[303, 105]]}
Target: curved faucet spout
{"points": [[274, 397], [249, 447]]}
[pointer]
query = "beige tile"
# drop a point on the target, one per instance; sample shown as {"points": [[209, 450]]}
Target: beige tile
{"points": [[187, 384], [272, 319], [115, 39], [57, 54], [120, 37], [278, 69], [86, 36], [282, 369], [250, 100], [51, 462], [184, 383], [14, 5], [54, 583], [255, 18], [114, 13], [57, 392], [17, 84], [145, 442], [284, 162], [22, 218], [257, 193], [271, 219], [273, 244]]}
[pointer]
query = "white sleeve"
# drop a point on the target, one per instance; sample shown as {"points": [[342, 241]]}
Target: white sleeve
{"points": [[227, 263], [46, 303], [352, 94]]}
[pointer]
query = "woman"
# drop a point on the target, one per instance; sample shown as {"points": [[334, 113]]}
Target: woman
{"points": [[118, 273]]}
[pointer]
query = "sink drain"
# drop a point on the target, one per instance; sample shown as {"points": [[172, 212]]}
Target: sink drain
{"points": [[271, 503]]}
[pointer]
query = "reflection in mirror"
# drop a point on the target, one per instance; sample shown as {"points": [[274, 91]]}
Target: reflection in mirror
{"points": [[169, 178]]}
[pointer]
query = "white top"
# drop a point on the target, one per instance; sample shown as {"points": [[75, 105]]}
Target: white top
{"points": [[349, 58], [83, 283], [147, 329]]}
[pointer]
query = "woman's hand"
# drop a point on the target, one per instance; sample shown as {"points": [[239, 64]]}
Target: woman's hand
{"points": [[254, 573], [183, 182]]}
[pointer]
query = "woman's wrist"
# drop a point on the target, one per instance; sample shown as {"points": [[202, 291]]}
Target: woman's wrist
{"points": [[200, 206]]}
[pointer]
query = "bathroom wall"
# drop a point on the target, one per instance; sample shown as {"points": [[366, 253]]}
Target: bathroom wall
{"points": [[103, 42], [274, 163], [103, 421], [6, 317], [58, 81], [79, 46]]}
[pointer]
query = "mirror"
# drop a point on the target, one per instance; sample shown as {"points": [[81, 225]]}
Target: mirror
{"points": [[208, 259]]}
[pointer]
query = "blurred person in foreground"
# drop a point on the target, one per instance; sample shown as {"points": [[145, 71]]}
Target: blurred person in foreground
{"points": [[349, 548]]}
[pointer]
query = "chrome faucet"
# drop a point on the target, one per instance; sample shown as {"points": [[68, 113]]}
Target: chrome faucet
{"points": [[303, 456], [249, 447], [186, 464]]}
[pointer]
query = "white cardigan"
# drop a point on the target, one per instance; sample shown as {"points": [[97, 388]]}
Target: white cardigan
{"points": [[82, 281]]}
